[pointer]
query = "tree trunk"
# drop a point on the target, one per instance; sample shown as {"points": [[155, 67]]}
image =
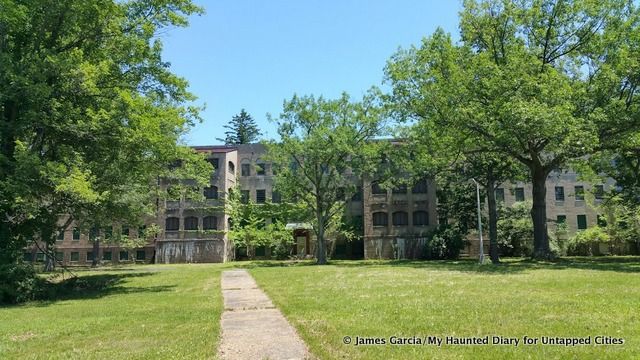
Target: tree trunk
{"points": [[493, 221], [539, 213], [96, 253], [50, 261], [321, 254]]}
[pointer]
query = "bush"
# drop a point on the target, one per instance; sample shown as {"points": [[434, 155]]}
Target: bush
{"points": [[515, 230], [445, 242], [18, 283], [585, 243]]}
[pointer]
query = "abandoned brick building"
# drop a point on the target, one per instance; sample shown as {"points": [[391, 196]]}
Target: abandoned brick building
{"points": [[395, 222]]}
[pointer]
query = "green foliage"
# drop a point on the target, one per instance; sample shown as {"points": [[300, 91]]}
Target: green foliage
{"points": [[326, 145], [540, 82], [18, 283], [90, 115], [515, 230], [445, 242], [586, 242], [241, 130]]}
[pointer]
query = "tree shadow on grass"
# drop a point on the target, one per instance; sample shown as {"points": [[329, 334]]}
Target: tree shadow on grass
{"points": [[624, 264], [92, 286]]}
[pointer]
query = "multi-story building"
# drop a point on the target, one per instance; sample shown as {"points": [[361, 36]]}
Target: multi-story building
{"points": [[394, 222]]}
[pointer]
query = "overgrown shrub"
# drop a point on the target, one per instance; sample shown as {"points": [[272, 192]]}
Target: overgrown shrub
{"points": [[445, 242], [18, 283], [586, 242], [515, 230]]}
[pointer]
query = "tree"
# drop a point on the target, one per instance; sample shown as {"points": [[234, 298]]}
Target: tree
{"points": [[90, 115], [526, 81], [242, 130], [325, 146]]}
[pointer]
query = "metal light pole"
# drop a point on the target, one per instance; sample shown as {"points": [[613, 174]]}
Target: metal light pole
{"points": [[479, 221]]}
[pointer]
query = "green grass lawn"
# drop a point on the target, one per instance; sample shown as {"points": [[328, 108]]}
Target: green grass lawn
{"points": [[143, 312], [573, 298]]}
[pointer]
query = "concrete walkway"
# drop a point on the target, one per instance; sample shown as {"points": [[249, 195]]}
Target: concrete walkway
{"points": [[252, 327]]}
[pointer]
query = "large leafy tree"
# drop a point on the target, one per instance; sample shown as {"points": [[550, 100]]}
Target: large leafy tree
{"points": [[241, 130], [90, 115], [530, 80], [325, 146]]}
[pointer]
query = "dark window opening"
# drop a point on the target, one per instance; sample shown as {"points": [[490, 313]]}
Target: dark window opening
{"points": [[191, 223], [244, 196], [420, 218], [276, 197], [210, 223], [106, 255], [232, 167], [141, 255], [75, 256], [261, 196], [260, 168], [380, 219], [245, 169], [172, 224], [376, 189], [211, 192], [400, 218], [124, 255], [400, 189], [582, 222], [499, 195], [420, 187], [519, 193], [559, 193], [579, 190]]}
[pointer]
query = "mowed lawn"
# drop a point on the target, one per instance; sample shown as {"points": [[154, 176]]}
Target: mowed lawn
{"points": [[137, 312], [573, 298]]}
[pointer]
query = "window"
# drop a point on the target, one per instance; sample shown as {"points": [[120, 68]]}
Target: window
{"points": [[579, 190], [499, 195], [124, 255], [357, 196], [602, 221], [141, 255], [211, 192], [260, 251], [108, 232], [380, 219], [60, 235], [561, 219], [215, 163], [400, 218], [276, 197], [27, 256], [376, 189], [89, 255], [191, 223], [75, 256], [519, 193], [125, 231], [245, 169], [232, 167], [261, 196], [106, 255], [172, 224], [400, 189], [229, 223], [599, 192], [420, 187], [244, 196], [210, 223], [142, 231], [59, 256], [582, 222], [420, 218], [559, 193], [260, 168], [76, 234]]}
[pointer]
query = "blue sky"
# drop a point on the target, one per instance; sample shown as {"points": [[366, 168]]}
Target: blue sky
{"points": [[255, 54]]}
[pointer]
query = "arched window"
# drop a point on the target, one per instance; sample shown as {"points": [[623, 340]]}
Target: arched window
{"points": [[376, 189], [172, 224], [211, 192], [261, 167], [420, 218], [380, 219], [191, 223], [400, 218], [229, 223], [232, 167], [210, 223]]}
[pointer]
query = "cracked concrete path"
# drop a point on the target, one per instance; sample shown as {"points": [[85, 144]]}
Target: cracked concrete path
{"points": [[252, 327]]}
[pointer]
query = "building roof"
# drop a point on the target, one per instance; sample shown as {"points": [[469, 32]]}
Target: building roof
{"points": [[215, 148]]}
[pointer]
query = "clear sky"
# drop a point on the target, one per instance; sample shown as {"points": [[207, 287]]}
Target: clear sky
{"points": [[254, 54]]}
